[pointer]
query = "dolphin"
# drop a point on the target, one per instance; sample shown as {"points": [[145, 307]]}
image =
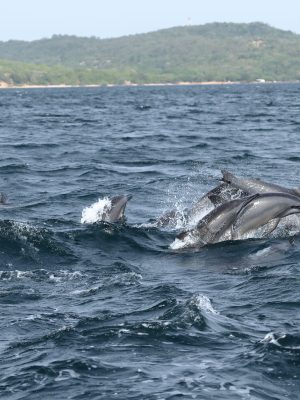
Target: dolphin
{"points": [[214, 226], [231, 188], [252, 186], [233, 219], [116, 210], [3, 198], [263, 209]]}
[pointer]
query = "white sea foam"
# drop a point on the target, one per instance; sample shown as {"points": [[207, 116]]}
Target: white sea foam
{"points": [[65, 374], [63, 275], [271, 338], [275, 340], [203, 303], [180, 219], [177, 244], [56, 276], [96, 211], [16, 274], [198, 215], [189, 241]]}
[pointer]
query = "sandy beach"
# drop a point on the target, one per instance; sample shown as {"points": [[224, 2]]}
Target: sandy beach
{"points": [[5, 85]]}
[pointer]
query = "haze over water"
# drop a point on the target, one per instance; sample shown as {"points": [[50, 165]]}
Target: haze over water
{"points": [[99, 311]]}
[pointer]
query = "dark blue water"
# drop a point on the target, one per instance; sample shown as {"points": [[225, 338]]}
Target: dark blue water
{"points": [[110, 312]]}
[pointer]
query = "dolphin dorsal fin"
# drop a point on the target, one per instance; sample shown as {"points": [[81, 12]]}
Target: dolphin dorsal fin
{"points": [[227, 176], [3, 198]]}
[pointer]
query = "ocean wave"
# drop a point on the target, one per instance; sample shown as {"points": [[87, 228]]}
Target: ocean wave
{"points": [[97, 310], [31, 241], [174, 319], [14, 167], [119, 280], [41, 275]]}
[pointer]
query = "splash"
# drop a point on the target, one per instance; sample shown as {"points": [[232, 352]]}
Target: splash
{"points": [[203, 303], [189, 241], [96, 211], [194, 218], [284, 340]]}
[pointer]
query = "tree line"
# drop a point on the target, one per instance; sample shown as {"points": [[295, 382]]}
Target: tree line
{"points": [[211, 52]]}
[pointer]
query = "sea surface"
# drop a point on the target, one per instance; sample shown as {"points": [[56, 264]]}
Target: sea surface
{"points": [[109, 311]]}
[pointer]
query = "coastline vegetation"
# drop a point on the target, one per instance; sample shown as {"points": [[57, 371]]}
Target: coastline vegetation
{"points": [[211, 52]]}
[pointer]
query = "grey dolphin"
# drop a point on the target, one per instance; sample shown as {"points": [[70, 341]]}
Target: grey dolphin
{"points": [[252, 186], [116, 211], [233, 219], [3, 198], [232, 187], [262, 209], [214, 226]]}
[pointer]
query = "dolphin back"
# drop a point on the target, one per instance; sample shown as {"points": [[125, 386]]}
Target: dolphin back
{"points": [[269, 208]]}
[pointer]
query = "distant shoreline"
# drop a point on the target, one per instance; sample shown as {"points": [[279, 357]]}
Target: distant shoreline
{"points": [[126, 84], [4, 85]]}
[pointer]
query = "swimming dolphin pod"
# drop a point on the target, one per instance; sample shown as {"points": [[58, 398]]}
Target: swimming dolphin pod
{"points": [[261, 205], [214, 226], [235, 209], [236, 218], [234, 187]]}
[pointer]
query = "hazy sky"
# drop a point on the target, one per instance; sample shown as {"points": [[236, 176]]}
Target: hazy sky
{"points": [[34, 19]]}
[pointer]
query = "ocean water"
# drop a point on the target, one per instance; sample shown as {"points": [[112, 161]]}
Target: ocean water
{"points": [[102, 311]]}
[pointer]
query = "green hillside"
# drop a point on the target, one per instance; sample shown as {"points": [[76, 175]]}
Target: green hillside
{"points": [[217, 51]]}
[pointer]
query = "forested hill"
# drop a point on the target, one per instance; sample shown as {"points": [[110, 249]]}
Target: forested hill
{"points": [[211, 52]]}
